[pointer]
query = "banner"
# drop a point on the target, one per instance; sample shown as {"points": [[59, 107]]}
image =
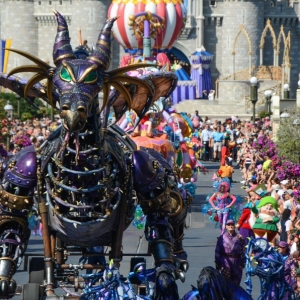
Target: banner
{"points": [[4, 56]]}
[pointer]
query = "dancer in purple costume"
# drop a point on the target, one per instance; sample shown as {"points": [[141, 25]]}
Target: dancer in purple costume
{"points": [[223, 206], [229, 253]]}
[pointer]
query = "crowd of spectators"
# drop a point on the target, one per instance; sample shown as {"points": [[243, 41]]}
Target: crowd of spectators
{"points": [[25, 133], [239, 139]]}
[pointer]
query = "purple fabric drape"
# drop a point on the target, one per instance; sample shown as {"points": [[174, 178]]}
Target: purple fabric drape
{"points": [[201, 74], [206, 78], [183, 91]]}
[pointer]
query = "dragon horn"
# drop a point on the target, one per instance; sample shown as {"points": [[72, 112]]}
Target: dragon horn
{"points": [[62, 50], [101, 54]]}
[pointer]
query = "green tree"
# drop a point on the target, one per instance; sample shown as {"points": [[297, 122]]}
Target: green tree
{"points": [[24, 106], [288, 136]]}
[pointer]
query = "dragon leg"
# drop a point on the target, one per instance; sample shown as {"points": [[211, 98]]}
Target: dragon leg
{"points": [[14, 235], [159, 233], [16, 201], [166, 211]]}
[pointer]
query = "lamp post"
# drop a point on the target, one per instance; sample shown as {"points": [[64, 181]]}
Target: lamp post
{"points": [[9, 111], [268, 95], [286, 91], [298, 95], [253, 94], [18, 107]]}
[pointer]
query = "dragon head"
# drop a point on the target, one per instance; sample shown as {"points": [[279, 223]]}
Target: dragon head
{"points": [[78, 81]]}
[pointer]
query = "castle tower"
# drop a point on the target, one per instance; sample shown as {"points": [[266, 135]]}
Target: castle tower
{"points": [[222, 23], [251, 15], [89, 15], [19, 25]]}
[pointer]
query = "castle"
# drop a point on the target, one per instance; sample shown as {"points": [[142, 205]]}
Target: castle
{"points": [[241, 34]]}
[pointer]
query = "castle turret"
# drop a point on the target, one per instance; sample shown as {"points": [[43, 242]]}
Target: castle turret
{"points": [[223, 20], [19, 25], [88, 15]]}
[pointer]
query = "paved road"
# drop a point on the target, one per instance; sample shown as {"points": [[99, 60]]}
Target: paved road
{"points": [[199, 241]]}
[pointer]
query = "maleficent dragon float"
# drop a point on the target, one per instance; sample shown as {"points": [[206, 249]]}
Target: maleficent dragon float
{"points": [[87, 178]]}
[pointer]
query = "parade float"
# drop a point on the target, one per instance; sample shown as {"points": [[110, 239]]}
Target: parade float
{"points": [[147, 31], [88, 178], [147, 28]]}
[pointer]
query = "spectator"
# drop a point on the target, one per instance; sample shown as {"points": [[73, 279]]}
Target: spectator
{"points": [[266, 164], [285, 225], [205, 139], [211, 95], [295, 245], [197, 116], [218, 138]]}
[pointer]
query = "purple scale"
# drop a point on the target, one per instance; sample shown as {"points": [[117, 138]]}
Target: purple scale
{"points": [[146, 178], [27, 164]]}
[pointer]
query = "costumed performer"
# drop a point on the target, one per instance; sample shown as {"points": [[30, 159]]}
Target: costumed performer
{"points": [[146, 122], [243, 224], [266, 222], [163, 62], [229, 253], [226, 171], [225, 201], [270, 266]]}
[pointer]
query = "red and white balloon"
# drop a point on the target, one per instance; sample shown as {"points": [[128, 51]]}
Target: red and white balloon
{"points": [[172, 11]]}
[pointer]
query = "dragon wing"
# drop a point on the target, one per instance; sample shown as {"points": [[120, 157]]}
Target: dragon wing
{"points": [[159, 85], [18, 85], [32, 88]]}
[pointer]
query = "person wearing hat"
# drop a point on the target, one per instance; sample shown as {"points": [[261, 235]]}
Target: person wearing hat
{"points": [[229, 253], [266, 222], [290, 270]]}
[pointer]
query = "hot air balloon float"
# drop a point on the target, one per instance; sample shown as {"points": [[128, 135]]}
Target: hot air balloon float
{"points": [[148, 27], [147, 30], [154, 23]]}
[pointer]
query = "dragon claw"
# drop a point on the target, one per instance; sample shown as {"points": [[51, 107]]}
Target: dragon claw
{"points": [[165, 282], [181, 276], [184, 265], [7, 288]]}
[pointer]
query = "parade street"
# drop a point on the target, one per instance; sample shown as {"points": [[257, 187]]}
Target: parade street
{"points": [[199, 240]]}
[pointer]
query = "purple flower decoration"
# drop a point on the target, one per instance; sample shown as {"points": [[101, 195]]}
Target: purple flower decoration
{"points": [[22, 141], [284, 168]]}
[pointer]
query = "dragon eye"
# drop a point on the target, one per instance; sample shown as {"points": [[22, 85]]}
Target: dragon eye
{"points": [[64, 74], [91, 77]]}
